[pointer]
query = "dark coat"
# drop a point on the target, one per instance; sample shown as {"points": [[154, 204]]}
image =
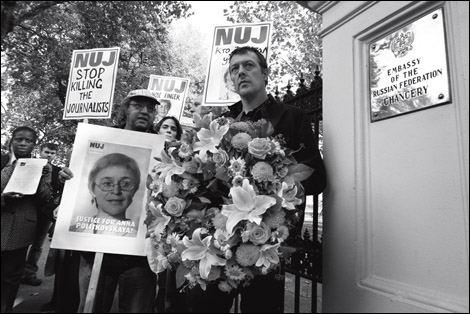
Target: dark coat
{"points": [[293, 124]]}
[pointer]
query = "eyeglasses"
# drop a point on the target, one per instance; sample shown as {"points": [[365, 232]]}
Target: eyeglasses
{"points": [[108, 185], [138, 106]]}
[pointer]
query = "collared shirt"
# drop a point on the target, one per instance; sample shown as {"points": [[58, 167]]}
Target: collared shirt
{"points": [[253, 115]]}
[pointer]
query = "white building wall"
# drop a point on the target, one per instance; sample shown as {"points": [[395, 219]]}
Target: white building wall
{"points": [[396, 207]]}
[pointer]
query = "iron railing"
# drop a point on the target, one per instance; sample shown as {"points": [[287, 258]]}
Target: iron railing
{"points": [[304, 259]]}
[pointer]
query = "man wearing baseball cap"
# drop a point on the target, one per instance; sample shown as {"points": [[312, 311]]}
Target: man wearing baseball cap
{"points": [[138, 111]]}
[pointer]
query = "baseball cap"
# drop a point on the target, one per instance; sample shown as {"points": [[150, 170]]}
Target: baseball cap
{"points": [[142, 93]]}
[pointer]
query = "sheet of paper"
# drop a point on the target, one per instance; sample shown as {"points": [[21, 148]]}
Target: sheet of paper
{"points": [[26, 176]]}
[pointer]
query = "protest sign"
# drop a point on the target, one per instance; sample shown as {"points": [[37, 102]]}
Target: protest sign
{"points": [[218, 89], [103, 206], [91, 84], [171, 91]]}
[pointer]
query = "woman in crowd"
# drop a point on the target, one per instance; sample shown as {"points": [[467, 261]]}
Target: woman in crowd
{"points": [[170, 127]]}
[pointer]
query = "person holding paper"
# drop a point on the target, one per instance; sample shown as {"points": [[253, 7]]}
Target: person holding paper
{"points": [[18, 215], [45, 219]]}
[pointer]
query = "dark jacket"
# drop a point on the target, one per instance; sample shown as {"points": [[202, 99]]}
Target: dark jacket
{"points": [[293, 124], [19, 216]]}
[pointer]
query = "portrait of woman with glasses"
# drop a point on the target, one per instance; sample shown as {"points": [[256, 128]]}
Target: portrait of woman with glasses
{"points": [[112, 182]]}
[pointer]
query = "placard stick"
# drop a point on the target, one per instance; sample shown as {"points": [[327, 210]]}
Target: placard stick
{"points": [[95, 274]]}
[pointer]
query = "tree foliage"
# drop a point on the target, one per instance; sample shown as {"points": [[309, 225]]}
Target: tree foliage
{"points": [[37, 51], [188, 57], [16, 12], [296, 46], [38, 38]]}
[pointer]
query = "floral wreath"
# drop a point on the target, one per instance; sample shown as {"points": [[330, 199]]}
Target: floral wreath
{"points": [[217, 203]]}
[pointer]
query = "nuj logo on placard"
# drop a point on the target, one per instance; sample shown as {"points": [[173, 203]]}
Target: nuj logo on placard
{"points": [[94, 59], [96, 147], [167, 85], [225, 36]]}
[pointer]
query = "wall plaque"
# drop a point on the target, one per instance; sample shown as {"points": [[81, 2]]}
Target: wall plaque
{"points": [[408, 69]]}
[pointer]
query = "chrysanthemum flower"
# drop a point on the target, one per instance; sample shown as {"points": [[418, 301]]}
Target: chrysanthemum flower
{"points": [[281, 234], [275, 219], [247, 254], [262, 172], [234, 272], [170, 190], [240, 126], [219, 221], [173, 239], [191, 183], [237, 166], [240, 141]]}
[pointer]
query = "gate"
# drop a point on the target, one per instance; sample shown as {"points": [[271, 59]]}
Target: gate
{"points": [[305, 259]]}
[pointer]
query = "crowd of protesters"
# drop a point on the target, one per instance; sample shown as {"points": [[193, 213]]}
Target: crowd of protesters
{"points": [[26, 219]]}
